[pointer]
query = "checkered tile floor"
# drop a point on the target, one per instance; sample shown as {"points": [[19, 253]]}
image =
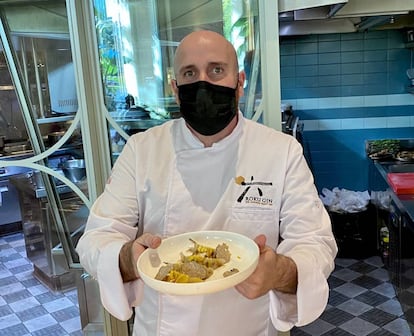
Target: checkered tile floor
{"points": [[362, 302], [27, 307]]}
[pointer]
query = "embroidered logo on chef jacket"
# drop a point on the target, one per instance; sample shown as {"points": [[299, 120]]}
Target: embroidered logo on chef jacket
{"points": [[253, 191]]}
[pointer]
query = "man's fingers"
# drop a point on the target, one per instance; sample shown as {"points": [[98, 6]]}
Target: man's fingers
{"points": [[260, 241], [149, 240]]}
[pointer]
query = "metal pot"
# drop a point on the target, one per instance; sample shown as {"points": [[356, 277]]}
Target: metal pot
{"points": [[74, 170], [54, 137]]}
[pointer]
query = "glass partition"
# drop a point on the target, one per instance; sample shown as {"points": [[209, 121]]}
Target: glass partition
{"points": [[136, 43], [42, 151]]}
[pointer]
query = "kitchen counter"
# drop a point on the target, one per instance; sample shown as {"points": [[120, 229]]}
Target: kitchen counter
{"points": [[25, 184], [404, 202]]}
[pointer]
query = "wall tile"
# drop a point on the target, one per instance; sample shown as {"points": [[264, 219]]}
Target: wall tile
{"points": [[352, 56], [306, 59], [326, 103], [311, 125], [352, 79], [352, 45], [347, 102], [375, 55], [375, 100], [289, 83], [401, 99], [354, 90], [375, 123], [289, 93], [329, 37], [352, 123], [329, 47], [329, 69], [307, 104], [328, 80], [306, 48], [375, 44], [370, 67], [329, 58], [288, 71], [351, 68], [327, 124], [375, 78], [287, 49], [375, 34], [393, 122], [306, 82], [328, 91], [398, 54], [287, 60], [373, 89], [306, 70]]}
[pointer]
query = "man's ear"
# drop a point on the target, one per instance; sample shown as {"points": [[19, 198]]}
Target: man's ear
{"points": [[175, 90], [240, 87]]}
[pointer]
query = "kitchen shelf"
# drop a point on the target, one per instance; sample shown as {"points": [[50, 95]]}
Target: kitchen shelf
{"points": [[51, 120], [6, 87]]}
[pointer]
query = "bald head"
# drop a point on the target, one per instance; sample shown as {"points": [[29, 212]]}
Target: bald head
{"points": [[201, 49]]}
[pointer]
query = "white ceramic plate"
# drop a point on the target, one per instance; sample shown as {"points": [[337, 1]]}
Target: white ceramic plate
{"points": [[244, 256]]}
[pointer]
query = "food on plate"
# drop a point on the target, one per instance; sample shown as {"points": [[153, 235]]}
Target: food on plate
{"points": [[197, 266], [230, 272]]}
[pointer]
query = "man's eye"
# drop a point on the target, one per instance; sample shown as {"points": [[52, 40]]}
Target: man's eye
{"points": [[217, 70], [188, 73]]}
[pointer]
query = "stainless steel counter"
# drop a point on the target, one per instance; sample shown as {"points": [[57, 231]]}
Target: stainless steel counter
{"points": [[42, 239], [24, 183]]}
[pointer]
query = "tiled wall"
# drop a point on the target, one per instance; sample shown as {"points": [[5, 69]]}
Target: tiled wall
{"points": [[347, 88]]}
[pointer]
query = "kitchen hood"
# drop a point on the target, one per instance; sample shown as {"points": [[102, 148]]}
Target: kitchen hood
{"points": [[324, 16]]}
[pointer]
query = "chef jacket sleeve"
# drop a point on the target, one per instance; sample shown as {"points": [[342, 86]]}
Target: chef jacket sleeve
{"points": [[306, 237], [112, 222]]}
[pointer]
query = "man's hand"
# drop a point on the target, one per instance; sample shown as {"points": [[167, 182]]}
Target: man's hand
{"points": [[130, 252], [273, 272]]}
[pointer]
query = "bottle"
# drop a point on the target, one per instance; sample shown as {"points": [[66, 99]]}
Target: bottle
{"points": [[385, 245]]}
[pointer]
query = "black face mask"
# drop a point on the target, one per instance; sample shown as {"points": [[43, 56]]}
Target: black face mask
{"points": [[206, 107]]}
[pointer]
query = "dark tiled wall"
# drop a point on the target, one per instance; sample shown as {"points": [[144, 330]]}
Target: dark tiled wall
{"points": [[334, 66]]}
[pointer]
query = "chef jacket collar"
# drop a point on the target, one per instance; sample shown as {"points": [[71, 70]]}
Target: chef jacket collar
{"points": [[190, 141]]}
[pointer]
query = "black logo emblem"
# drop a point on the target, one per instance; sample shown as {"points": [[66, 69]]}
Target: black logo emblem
{"points": [[240, 180]]}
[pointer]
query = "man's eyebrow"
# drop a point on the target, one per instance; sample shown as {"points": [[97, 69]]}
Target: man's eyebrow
{"points": [[218, 63], [187, 67]]}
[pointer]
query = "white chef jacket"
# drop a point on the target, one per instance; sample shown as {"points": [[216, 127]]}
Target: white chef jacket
{"points": [[166, 182]]}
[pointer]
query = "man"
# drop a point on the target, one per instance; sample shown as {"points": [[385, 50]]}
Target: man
{"points": [[181, 177]]}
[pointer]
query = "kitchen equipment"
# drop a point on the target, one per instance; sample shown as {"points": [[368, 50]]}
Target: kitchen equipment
{"points": [[74, 170], [401, 183], [54, 137], [10, 216]]}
